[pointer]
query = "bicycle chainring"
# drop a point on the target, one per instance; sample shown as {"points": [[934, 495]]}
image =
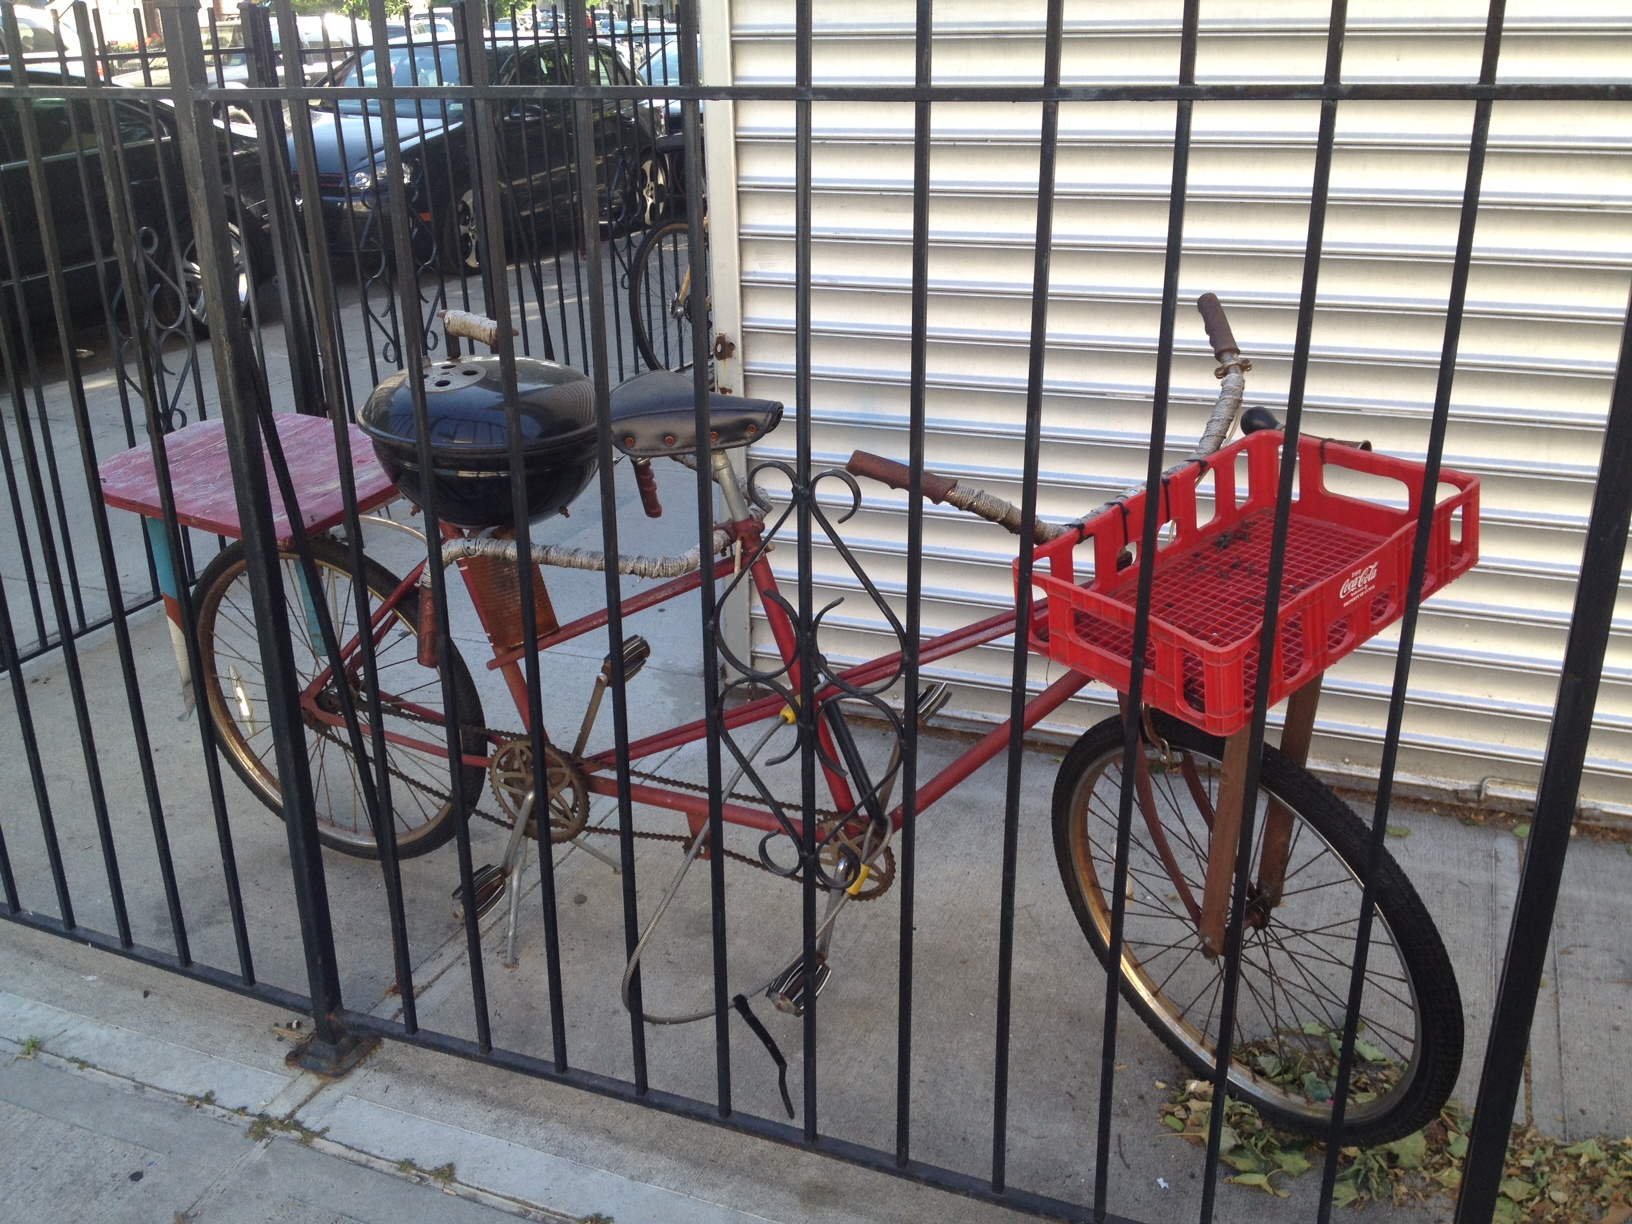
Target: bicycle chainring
{"points": [[511, 773]]}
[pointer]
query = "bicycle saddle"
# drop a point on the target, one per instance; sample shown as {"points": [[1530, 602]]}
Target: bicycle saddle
{"points": [[655, 414]]}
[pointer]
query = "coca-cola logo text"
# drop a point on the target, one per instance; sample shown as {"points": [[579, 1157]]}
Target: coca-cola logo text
{"points": [[1357, 583]]}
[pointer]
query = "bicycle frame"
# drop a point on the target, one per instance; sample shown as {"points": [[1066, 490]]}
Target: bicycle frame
{"points": [[599, 768]]}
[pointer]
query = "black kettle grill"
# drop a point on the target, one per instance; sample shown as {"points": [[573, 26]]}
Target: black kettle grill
{"points": [[469, 482]]}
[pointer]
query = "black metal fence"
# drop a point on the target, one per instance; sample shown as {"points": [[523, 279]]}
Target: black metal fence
{"points": [[529, 175]]}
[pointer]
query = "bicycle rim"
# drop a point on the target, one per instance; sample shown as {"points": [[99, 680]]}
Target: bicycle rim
{"points": [[660, 298], [238, 701], [1295, 967]]}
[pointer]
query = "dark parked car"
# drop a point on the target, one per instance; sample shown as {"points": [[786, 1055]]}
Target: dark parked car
{"points": [[534, 143], [71, 161]]}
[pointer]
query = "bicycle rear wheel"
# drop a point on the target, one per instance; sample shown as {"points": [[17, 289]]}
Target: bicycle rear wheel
{"points": [[660, 277], [1296, 957], [410, 695]]}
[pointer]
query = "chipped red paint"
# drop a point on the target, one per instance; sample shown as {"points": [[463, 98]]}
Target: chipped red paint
{"points": [[201, 477]]}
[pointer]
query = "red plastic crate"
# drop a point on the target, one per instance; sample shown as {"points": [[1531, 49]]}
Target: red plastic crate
{"points": [[1347, 563]]}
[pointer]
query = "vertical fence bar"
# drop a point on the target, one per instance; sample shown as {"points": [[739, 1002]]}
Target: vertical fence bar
{"points": [[70, 652], [1319, 191], [36, 769], [174, 556], [107, 139], [1049, 142], [329, 362], [809, 725], [923, 57], [238, 389], [1132, 734], [701, 349], [411, 338], [494, 262], [589, 226], [1455, 303], [1550, 827]]}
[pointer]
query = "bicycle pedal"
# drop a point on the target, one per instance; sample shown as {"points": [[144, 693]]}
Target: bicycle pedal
{"points": [[489, 882], [788, 990]]}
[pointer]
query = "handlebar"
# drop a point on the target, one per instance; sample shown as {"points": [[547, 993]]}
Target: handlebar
{"points": [[898, 475], [1218, 327]]}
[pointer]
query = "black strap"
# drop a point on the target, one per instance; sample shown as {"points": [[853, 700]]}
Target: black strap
{"points": [[764, 1034]]}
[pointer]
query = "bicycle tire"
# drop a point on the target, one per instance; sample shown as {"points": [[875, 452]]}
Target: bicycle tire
{"points": [[421, 807], [1164, 976], [659, 310]]}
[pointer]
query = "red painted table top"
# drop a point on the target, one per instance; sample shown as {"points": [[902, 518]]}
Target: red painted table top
{"points": [[201, 477]]}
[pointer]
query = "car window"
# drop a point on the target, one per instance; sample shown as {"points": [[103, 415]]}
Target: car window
{"points": [[408, 66], [54, 119], [135, 124], [608, 71], [536, 68], [664, 66]]}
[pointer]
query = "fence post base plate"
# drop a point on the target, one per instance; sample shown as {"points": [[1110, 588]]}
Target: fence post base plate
{"points": [[330, 1059]]}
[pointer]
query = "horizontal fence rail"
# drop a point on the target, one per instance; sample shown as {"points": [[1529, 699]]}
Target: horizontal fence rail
{"points": [[342, 341]]}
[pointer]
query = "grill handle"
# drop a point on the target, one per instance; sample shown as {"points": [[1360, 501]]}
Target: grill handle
{"points": [[473, 326]]}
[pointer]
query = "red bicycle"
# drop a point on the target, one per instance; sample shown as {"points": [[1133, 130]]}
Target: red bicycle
{"points": [[1345, 577]]}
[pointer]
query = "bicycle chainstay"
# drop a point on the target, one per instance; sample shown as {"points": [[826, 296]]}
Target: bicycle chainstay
{"points": [[884, 874]]}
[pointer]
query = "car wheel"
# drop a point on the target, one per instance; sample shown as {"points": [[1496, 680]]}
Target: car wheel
{"points": [[637, 193], [192, 283], [460, 246]]}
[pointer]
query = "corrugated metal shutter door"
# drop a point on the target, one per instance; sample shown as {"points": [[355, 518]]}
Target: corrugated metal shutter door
{"points": [[1548, 291]]}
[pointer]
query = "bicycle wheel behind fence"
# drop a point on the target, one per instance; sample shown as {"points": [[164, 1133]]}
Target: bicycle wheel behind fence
{"points": [[410, 698], [660, 297], [1296, 957]]}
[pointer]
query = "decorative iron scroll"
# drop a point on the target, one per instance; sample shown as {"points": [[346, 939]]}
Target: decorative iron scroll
{"points": [[837, 863]]}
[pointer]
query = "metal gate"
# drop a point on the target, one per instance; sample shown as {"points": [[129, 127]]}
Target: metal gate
{"points": [[259, 493]]}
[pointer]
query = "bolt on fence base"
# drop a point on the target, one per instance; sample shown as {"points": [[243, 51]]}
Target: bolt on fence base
{"points": [[331, 1059]]}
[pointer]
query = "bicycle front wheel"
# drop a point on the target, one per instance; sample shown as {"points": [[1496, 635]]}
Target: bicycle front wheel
{"points": [[410, 699], [660, 279], [1296, 957]]}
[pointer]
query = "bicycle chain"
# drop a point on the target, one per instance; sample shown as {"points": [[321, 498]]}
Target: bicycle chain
{"points": [[884, 872]]}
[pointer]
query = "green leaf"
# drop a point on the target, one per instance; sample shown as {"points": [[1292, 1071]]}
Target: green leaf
{"points": [[1369, 1052], [1316, 1088], [1410, 1152], [1517, 1189], [1261, 1180], [1228, 1140], [1458, 1146], [1589, 1149], [1294, 1163], [1508, 1212], [1174, 1122], [1398, 831], [1314, 1028], [1245, 1160], [1449, 1178], [1521, 831], [1344, 1193]]}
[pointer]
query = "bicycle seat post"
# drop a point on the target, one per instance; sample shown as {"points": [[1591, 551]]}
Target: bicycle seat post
{"points": [[736, 509]]}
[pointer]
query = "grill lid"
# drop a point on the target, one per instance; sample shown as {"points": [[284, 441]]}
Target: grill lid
{"points": [[465, 402]]}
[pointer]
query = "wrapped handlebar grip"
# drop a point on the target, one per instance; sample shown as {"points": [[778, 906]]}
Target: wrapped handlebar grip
{"points": [[898, 475], [1218, 327], [646, 482], [473, 326]]}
